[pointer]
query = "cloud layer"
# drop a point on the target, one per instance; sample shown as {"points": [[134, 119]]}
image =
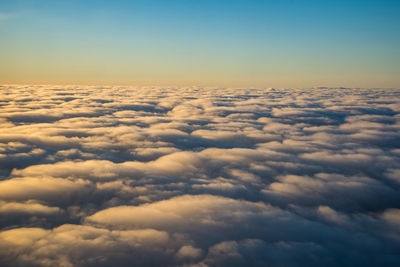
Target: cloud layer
{"points": [[107, 176]]}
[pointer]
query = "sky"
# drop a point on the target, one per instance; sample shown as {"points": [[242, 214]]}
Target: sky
{"points": [[231, 43]]}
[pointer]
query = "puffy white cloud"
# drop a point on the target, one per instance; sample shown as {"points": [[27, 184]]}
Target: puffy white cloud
{"points": [[44, 188], [190, 252], [182, 213], [189, 176], [77, 245], [27, 207]]}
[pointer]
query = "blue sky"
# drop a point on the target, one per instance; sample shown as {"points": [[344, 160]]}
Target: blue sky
{"points": [[222, 43]]}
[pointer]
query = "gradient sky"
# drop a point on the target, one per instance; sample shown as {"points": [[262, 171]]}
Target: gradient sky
{"points": [[212, 43]]}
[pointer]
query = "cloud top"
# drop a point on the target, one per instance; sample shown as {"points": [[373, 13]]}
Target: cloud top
{"points": [[152, 176]]}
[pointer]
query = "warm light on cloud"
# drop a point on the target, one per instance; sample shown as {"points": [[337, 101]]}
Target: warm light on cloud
{"points": [[191, 176], [204, 133]]}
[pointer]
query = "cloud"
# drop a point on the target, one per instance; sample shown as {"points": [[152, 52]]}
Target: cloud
{"points": [[351, 193], [189, 252], [179, 213], [28, 207], [54, 190], [73, 245], [152, 176], [392, 216]]}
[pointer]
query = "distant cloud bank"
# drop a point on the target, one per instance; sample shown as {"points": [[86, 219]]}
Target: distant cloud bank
{"points": [[151, 176]]}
